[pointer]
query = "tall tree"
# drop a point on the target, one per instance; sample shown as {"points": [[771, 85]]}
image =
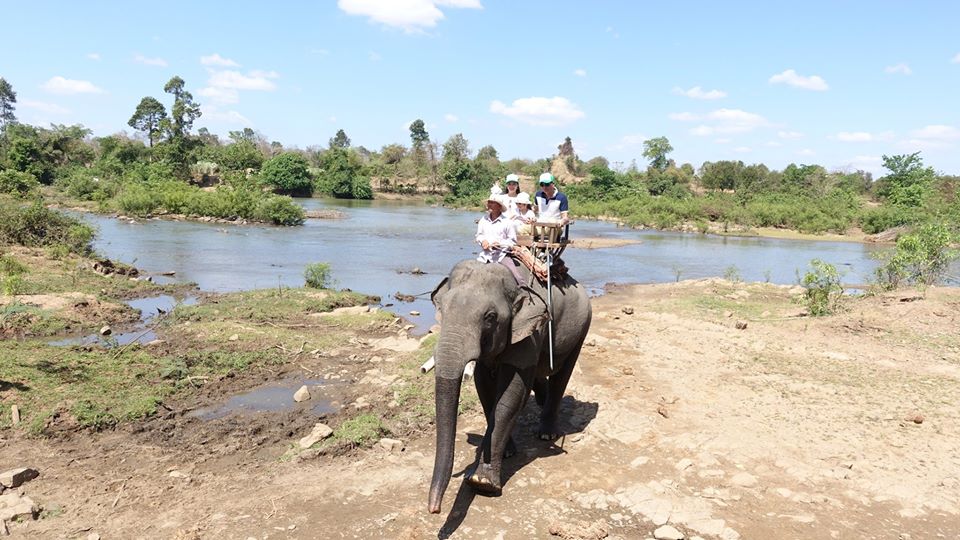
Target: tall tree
{"points": [[184, 110], [340, 140], [7, 100], [148, 117], [420, 139], [656, 151]]}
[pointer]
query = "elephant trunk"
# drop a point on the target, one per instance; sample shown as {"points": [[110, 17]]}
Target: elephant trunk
{"points": [[447, 400]]}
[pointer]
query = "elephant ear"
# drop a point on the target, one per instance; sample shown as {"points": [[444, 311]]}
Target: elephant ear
{"points": [[437, 294], [529, 314]]}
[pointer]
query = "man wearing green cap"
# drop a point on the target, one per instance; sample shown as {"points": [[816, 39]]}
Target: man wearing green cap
{"points": [[551, 204]]}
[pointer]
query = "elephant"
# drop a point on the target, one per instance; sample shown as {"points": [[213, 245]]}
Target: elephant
{"points": [[488, 318]]}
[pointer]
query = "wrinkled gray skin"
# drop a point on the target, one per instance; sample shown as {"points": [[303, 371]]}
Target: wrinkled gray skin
{"points": [[487, 317]]}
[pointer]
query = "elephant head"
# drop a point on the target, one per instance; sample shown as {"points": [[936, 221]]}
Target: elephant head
{"points": [[483, 312]]}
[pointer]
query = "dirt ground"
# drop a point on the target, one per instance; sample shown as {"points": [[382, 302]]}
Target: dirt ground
{"points": [[710, 406]]}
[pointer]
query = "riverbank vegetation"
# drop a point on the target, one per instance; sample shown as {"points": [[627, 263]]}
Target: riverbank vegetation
{"points": [[167, 168]]}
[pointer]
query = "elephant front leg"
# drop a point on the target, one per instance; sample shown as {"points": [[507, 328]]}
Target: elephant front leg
{"points": [[549, 428], [512, 393]]}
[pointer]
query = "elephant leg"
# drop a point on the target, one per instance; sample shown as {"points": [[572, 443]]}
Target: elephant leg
{"points": [[540, 391], [487, 391], [557, 385], [512, 391]]}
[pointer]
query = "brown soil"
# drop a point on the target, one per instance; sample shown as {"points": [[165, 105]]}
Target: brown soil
{"points": [[791, 427]]}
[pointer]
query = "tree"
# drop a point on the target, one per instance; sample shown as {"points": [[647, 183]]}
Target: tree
{"points": [[7, 100], [341, 175], [488, 154], [184, 110], [287, 173], [908, 182], [656, 151], [721, 174], [340, 140], [148, 117], [418, 134]]}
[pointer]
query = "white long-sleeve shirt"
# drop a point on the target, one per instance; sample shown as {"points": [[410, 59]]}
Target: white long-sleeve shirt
{"points": [[498, 231]]}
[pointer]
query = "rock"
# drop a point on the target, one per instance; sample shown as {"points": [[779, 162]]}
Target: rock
{"points": [[154, 343], [234, 337], [105, 330], [639, 461], [916, 418], [727, 314], [168, 273], [627, 310], [320, 431], [667, 532], [684, 464], [744, 479], [178, 474], [741, 325], [93, 536], [302, 394], [391, 445], [16, 477], [14, 414], [414, 313], [13, 506]]}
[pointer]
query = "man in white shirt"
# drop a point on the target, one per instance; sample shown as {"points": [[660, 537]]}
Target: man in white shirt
{"points": [[497, 235], [551, 204]]}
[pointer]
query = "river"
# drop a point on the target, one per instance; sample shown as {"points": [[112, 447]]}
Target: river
{"points": [[373, 249]]}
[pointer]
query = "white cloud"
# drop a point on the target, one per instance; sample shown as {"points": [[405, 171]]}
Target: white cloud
{"points": [[956, 58], [629, 141], [936, 132], [726, 121], [871, 164], [698, 93], [580, 72], [900, 68], [612, 31], [853, 136], [723, 140], [232, 118], [93, 56], [742, 149], [789, 134], [332, 119], [216, 60], [450, 117], [540, 111], [773, 144], [683, 117], [48, 108], [220, 95], [806, 152], [60, 85], [792, 78], [255, 80], [412, 16], [141, 59]]}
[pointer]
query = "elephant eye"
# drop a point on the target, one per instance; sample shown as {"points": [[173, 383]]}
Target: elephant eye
{"points": [[490, 317]]}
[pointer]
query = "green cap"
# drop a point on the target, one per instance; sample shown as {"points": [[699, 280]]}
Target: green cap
{"points": [[546, 178]]}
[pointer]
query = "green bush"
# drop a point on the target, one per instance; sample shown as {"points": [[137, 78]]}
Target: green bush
{"points": [[18, 184], [876, 220], [824, 294], [38, 226], [287, 173], [318, 275], [280, 211], [11, 285], [921, 258]]}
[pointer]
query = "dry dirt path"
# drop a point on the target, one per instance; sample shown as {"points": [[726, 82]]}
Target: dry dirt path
{"points": [[792, 427]]}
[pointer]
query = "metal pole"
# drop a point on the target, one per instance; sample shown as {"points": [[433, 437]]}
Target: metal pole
{"points": [[550, 297]]}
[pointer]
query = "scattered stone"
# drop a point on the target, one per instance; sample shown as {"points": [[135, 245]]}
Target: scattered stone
{"points": [[580, 530], [639, 461], [684, 464], [662, 411], [628, 310], [414, 313], [727, 314], [16, 477], [744, 479], [916, 418], [234, 337], [741, 325], [13, 506], [93, 536], [14, 414], [391, 445], [155, 343], [105, 330], [667, 532], [302, 394], [168, 273], [320, 431], [417, 271], [178, 474]]}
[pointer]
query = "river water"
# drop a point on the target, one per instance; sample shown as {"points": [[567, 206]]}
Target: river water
{"points": [[373, 249]]}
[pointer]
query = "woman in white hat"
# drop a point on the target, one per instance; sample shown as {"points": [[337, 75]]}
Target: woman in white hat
{"points": [[513, 191]]}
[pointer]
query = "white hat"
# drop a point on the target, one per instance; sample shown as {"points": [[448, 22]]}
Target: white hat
{"points": [[513, 178], [499, 200], [523, 198]]}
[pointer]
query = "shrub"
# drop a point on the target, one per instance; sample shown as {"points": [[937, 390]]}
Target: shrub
{"points": [[38, 226], [876, 220], [280, 211], [824, 294], [318, 275], [921, 258], [287, 173], [18, 184]]}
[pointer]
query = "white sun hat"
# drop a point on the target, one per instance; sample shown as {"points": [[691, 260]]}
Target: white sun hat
{"points": [[523, 198], [497, 198], [513, 178]]}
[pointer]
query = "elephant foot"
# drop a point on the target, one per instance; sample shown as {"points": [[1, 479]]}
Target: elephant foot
{"points": [[510, 450], [485, 480], [548, 431]]}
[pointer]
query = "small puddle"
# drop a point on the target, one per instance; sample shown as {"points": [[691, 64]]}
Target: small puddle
{"points": [[149, 308], [276, 397]]}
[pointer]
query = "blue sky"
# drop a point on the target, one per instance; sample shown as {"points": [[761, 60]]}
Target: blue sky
{"points": [[837, 83]]}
